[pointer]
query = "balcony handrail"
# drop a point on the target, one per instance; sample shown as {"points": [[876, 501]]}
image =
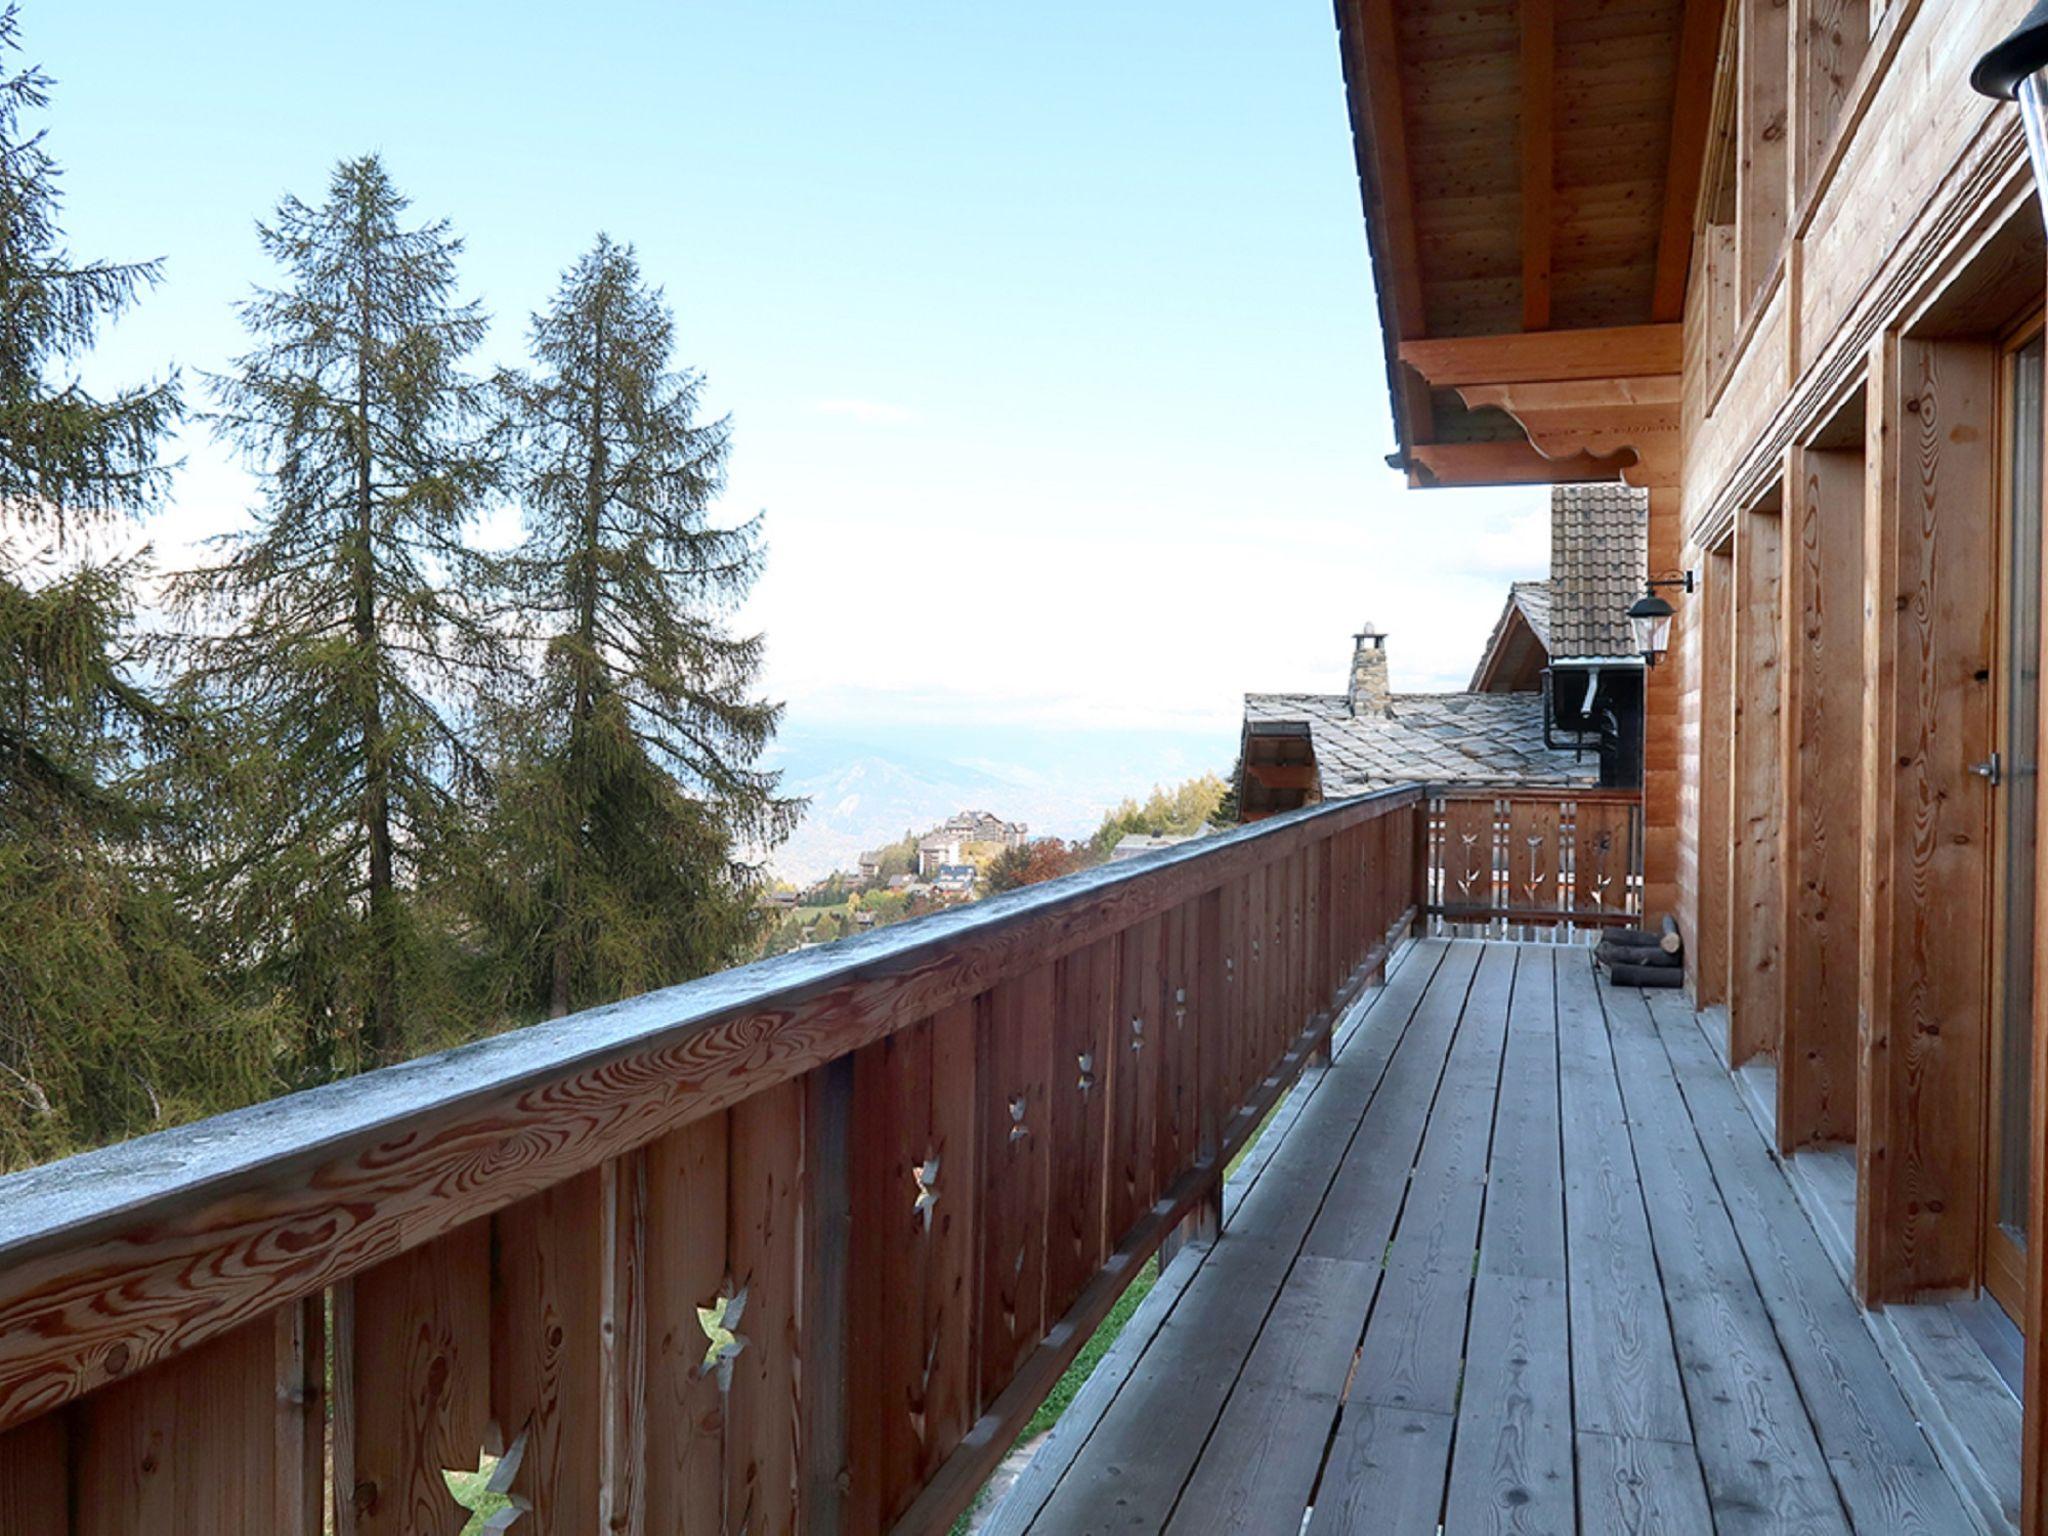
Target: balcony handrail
{"points": [[133, 1255]]}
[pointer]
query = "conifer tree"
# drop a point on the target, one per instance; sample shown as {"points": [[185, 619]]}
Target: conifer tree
{"points": [[108, 1022], [629, 799], [341, 642]]}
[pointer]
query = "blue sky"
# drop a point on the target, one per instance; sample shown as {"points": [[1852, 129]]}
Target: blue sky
{"points": [[1046, 330]]}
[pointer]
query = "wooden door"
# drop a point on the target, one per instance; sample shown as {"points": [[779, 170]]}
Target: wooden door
{"points": [[2009, 1078]]}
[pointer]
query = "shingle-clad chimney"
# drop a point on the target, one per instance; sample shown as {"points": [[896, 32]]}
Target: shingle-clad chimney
{"points": [[1370, 692]]}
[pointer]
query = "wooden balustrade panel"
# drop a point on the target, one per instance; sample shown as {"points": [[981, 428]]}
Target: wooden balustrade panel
{"points": [[686, 1225], [1082, 1088], [191, 1445], [1015, 1054], [1536, 854], [1177, 1122], [1233, 921], [910, 1322], [419, 1363], [1135, 1042], [1211, 1019], [547, 1321], [1469, 853], [35, 1477], [763, 1245], [1603, 856]]}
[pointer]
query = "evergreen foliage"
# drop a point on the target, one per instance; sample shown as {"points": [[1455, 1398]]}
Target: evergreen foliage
{"points": [[338, 644], [109, 1019], [630, 811]]}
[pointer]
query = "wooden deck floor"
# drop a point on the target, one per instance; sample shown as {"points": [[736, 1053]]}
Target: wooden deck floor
{"points": [[1520, 1261]]}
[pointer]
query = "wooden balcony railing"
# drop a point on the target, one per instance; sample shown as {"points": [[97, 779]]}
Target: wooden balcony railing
{"points": [[1523, 857], [797, 1246]]}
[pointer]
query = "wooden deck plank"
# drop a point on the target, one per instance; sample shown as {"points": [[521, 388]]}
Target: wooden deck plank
{"points": [[1513, 1467], [1522, 1232], [1763, 1464], [1131, 1469], [1385, 1475], [1416, 1337], [1872, 1442], [1494, 1113], [1261, 1464], [1634, 1487], [1624, 1364]]}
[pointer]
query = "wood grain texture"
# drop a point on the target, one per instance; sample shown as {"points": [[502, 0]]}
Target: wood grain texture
{"points": [[422, 1369], [763, 1411], [686, 1270], [547, 1314], [1822, 717], [1756, 998], [1930, 573]]}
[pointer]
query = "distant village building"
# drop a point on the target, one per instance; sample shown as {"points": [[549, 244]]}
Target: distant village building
{"points": [[955, 880], [945, 843]]}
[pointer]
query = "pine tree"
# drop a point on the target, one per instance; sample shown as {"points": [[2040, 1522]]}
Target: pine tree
{"points": [[341, 645], [629, 797], [108, 1021]]}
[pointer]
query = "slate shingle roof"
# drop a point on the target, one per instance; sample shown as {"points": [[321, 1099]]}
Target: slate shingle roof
{"points": [[1599, 549], [1436, 738]]}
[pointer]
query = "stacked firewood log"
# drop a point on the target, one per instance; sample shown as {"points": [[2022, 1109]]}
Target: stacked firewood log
{"points": [[1638, 957]]}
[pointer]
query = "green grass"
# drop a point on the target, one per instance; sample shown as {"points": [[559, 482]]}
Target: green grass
{"points": [[1062, 1395]]}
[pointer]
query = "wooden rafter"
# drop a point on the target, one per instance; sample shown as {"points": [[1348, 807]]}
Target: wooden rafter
{"points": [[1539, 74], [1619, 352], [1442, 465], [1379, 57], [1691, 115]]}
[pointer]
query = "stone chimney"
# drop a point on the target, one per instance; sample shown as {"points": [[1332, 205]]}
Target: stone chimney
{"points": [[1370, 692]]}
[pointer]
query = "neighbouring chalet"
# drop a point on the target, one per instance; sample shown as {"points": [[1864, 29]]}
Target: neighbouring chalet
{"points": [[1568, 637], [1300, 748]]}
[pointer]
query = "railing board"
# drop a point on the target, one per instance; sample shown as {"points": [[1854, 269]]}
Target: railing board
{"points": [[1083, 1067], [762, 1406], [35, 1476], [421, 1362], [687, 1222], [622, 1503], [547, 1318], [1134, 1074], [912, 1354], [1016, 1061]]}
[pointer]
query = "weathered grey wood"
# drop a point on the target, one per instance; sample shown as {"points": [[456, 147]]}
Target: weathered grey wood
{"points": [[1358, 1217], [1763, 1464], [1880, 1458], [1133, 1467], [1261, 1463], [1522, 1232], [1416, 1337], [1385, 1475], [1513, 1467], [1968, 1409], [1635, 1487], [1624, 1364]]}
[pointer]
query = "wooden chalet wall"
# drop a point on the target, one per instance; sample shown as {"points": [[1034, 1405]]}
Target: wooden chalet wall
{"points": [[1802, 365], [1866, 231]]}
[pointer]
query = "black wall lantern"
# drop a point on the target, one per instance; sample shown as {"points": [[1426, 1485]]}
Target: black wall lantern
{"points": [[1651, 615], [2017, 70]]}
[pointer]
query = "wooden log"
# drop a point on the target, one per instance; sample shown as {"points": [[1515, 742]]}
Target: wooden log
{"points": [[1669, 940], [1647, 976]]}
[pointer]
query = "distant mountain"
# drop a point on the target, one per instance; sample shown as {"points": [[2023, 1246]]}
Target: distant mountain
{"points": [[864, 793]]}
